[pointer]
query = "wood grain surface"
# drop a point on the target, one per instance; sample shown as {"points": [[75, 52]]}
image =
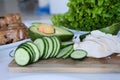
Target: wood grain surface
{"points": [[88, 65]]}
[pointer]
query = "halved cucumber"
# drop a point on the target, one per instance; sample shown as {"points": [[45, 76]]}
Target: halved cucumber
{"points": [[36, 51], [50, 49], [78, 54], [22, 57], [64, 51], [41, 45]]}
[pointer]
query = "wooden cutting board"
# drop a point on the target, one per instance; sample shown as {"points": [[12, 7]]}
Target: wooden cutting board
{"points": [[88, 65]]}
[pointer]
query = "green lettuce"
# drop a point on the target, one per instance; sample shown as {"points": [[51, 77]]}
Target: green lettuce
{"points": [[88, 15]]}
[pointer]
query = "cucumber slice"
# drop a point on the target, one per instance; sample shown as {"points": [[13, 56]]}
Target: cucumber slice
{"points": [[28, 48], [64, 51], [41, 45], [46, 49], [67, 43], [78, 54], [68, 54], [50, 49], [57, 46], [36, 51], [54, 47], [22, 57]]}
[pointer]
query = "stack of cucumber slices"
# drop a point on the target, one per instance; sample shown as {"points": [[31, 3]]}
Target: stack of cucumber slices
{"points": [[44, 48]]}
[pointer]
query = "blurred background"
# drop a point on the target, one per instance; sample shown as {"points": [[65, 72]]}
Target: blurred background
{"points": [[33, 9]]}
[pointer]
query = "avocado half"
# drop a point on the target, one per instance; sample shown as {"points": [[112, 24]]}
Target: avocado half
{"points": [[60, 32]]}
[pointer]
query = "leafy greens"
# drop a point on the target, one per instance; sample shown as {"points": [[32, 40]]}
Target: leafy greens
{"points": [[89, 15]]}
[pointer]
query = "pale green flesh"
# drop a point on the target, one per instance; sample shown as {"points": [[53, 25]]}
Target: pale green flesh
{"points": [[46, 49], [67, 43], [57, 47], [28, 48], [68, 54], [78, 54], [41, 46], [22, 57], [54, 47], [37, 53], [64, 51], [50, 49]]}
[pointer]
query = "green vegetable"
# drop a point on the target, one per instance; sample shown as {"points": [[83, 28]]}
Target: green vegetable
{"points": [[68, 54], [88, 15], [63, 52], [29, 49], [58, 45], [78, 54], [54, 47], [40, 43], [60, 32], [113, 29], [42, 48], [46, 49], [22, 57], [36, 51], [66, 43]]}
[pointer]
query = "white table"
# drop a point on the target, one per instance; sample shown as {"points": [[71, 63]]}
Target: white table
{"points": [[5, 59]]}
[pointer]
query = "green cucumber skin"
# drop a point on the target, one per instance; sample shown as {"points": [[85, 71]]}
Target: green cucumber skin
{"points": [[68, 54], [67, 43], [39, 47], [28, 47], [27, 62], [31, 49], [80, 58], [58, 43], [54, 47], [46, 49], [66, 50], [35, 47], [50, 45]]}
